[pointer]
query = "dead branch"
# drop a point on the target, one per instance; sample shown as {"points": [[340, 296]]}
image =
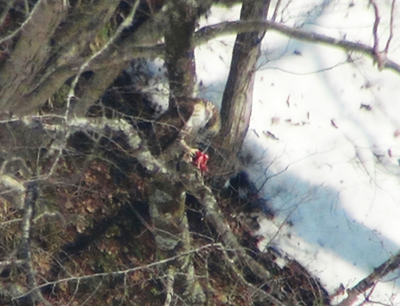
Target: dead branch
{"points": [[262, 295], [375, 27], [25, 245], [213, 215], [207, 33], [122, 272], [391, 26], [388, 266], [380, 57], [277, 6]]}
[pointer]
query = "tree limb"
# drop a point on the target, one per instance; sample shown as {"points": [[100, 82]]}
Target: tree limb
{"points": [[141, 47], [25, 245], [207, 33], [388, 266], [29, 54], [147, 34], [122, 272], [391, 27], [19, 29]]}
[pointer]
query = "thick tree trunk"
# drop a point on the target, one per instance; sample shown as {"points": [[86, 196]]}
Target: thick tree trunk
{"points": [[46, 47], [147, 34], [237, 99], [171, 233], [72, 43], [179, 54], [29, 55], [54, 45], [167, 201]]}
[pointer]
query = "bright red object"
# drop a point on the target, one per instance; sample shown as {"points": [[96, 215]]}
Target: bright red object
{"points": [[200, 160]]}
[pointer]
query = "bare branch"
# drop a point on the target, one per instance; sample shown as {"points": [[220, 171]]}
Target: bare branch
{"points": [[207, 33], [278, 4], [126, 23], [213, 215], [263, 296], [380, 57], [88, 125], [388, 266], [26, 255], [391, 27], [123, 272], [376, 25], [12, 262]]}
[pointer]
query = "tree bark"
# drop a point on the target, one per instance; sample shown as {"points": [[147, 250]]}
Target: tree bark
{"points": [[167, 200], [146, 34], [29, 55], [237, 99], [179, 52]]}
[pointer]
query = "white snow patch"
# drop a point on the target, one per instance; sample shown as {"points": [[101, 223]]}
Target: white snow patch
{"points": [[324, 141]]}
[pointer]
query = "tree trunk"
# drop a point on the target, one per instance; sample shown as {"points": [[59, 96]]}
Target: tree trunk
{"points": [[167, 200], [29, 55], [237, 99], [179, 54]]}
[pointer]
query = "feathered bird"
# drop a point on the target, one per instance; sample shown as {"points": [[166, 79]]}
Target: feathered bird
{"points": [[190, 123]]}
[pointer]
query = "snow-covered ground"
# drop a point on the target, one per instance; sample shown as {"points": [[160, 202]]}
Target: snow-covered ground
{"points": [[324, 140]]}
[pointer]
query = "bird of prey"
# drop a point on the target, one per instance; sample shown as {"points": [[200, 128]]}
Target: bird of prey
{"points": [[187, 126]]}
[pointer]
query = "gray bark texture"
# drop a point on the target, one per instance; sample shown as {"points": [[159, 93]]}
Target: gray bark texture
{"points": [[237, 99]]}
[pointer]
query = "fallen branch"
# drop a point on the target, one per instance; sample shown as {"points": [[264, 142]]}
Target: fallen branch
{"points": [[388, 266]]}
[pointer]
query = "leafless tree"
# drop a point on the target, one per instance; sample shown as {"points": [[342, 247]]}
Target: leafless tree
{"points": [[93, 206]]}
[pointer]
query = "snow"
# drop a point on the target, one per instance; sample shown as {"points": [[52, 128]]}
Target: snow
{"points": [[324, 140]]}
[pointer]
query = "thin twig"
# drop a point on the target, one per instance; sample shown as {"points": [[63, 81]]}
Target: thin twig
{"points": [[255, 290], [375, 27], [278, 3], [391, 26], [380, 57], [122, 272]]}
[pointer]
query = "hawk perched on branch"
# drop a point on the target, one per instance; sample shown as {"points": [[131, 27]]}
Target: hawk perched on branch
{"points": [[190, 122]]}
